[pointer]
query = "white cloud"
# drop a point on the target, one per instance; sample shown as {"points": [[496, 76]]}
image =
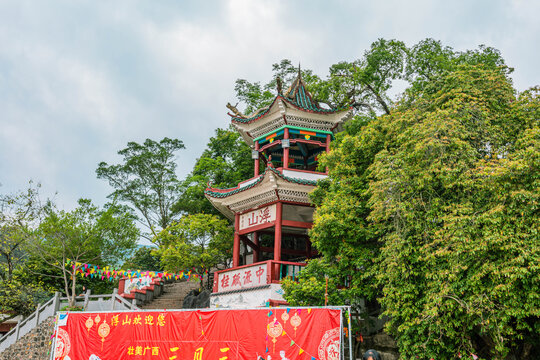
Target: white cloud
{"points": [[78, 80]]}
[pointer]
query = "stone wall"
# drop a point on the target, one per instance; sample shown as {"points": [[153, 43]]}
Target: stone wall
{"points": [[33, 345]]}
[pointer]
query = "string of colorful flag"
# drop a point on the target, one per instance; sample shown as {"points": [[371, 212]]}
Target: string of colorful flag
{"points": [[110, 273]]}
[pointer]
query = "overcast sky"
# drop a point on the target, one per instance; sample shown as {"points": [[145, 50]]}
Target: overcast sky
{"points": [[79, 79]]}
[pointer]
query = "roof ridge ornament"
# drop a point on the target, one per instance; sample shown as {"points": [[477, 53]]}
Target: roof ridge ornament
{"points": [[235, 110]]}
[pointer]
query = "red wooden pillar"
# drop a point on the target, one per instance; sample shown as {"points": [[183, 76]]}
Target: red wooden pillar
{"points": [[257, 159], [255, 251], [328, 139], [236, 246], [286, 150], [277, 238]]}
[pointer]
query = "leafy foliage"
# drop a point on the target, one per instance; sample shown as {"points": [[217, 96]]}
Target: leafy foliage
{"points": [[311, 287], [21, 298], [84, 235], [255, 96], [146, 180], [144, 258], [454, 231], [35, 271], [433, 208], [199, 242], [19, 213], [224, 163], [366, 83]]}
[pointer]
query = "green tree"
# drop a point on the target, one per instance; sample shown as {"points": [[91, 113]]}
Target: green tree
{"points": [[417, 211], [38, 273], [19, 214], [255, 96], [429, 59], [310, 288], [456, 191], [21, 298], [85, 235], [146, 180], [144, 258], [362, 83], [366, 83], [224, 163], [199, 242]]}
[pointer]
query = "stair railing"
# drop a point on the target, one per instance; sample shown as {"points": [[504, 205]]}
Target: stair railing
{"points": [[87, 302]]}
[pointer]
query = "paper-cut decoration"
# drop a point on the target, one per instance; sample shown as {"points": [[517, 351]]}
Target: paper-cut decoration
{"points": [[274, 330], [329, 345], [89, 323], [295, 322], [285, 317], [63, 344], [103, 331]]}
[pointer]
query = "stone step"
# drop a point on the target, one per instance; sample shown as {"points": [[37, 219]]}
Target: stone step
{"points": [[173, 295]]}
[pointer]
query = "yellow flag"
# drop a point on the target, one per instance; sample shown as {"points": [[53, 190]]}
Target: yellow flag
{"points": [[300, 352]]}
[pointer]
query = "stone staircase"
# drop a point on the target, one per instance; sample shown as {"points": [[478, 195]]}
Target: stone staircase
{"points": [[173, 295]]}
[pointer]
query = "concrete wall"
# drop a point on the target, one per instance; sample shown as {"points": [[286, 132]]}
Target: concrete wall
{"points": [[247, 298], [33, 345]]}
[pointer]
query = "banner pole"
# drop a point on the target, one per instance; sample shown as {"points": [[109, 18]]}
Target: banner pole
{"points": [[350, 336], [342, 347]]}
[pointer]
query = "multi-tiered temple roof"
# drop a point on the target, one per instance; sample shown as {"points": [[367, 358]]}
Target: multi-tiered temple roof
{"points": [[294, 107], [309, 128], [271, 211], [268, 187]]}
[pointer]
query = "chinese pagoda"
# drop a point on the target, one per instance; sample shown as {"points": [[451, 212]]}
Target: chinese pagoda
{"points": [[271, 211]]}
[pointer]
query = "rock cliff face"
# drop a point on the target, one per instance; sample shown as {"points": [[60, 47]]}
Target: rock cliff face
{"points": [[35, 345], [197, 300], [384, 344]]}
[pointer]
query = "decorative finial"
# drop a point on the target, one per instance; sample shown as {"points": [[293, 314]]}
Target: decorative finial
{"points": [[279, 85], [299, 72], [235, 111]]}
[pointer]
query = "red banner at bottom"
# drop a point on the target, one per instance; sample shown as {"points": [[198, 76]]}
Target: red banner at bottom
{"points": [[276, 333]]}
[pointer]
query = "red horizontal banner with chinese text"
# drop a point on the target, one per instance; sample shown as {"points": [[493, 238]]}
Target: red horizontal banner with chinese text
{"points": [[277, 333]]}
